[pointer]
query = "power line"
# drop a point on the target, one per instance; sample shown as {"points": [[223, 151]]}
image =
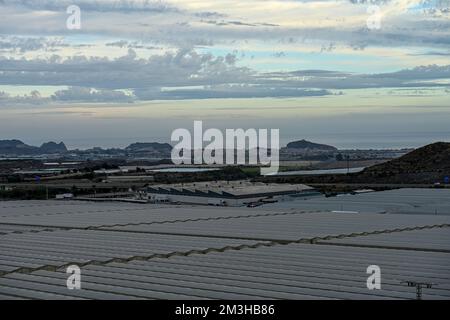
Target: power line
{"points": [[419, 286]]}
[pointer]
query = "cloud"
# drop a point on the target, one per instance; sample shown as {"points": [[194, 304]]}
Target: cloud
{"points": [[183, 23], [431, 53], [34, 98], [131, 45], [81, 94], [279, 54], [419, 73], [193, 38], [124, 6], [334, 80], [26, 44], [187, 74], [71, 94], [229, 91], [210, 14], [238, 23], [185, 67]]}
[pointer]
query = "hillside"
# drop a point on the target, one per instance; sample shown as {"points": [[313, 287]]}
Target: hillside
{"points": [[424, 165], [308, 145]]}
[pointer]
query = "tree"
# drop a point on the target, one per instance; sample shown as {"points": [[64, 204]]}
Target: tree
{"points": [[339, 157]]}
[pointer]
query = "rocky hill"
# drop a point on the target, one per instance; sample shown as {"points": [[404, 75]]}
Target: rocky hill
{"points": [[308, 145], [424, 165], [18, 148], [53, 147]]}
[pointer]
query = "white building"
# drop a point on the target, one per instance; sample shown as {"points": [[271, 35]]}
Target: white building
{"points": [[64, 196], [222, 193]]}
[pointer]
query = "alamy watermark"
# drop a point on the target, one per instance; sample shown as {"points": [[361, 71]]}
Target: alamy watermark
{"points": [[74, 280], [73, 21], [235, 147], [374, 280]]}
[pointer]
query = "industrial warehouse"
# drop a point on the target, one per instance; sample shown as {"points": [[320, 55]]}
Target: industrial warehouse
{"points": [[168, 251], [224, 193]]}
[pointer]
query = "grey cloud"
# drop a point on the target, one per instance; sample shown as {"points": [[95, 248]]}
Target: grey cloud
{"points": [[307, 73], [418, 73], [96, 6], [365, 2], [25, 44], [228, 23], [229, 91], [120, 44], [238, 23], [279, 54], [90, 95], [409, 78], [205, 76], [431, 53], [328, 48], [131, 45], [185, 67], [209, 14], [179, 28], [34, 97], [72, 94]]}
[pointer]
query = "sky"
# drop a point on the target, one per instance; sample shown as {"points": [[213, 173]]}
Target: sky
{"points": [[352, 73]]}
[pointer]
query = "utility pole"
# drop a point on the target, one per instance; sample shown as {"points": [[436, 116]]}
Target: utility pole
{"points": [[347, 157], [419, 286]]}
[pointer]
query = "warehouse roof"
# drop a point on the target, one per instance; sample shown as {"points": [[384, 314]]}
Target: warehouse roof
{"points": [[241, 188], [147, 251], [405, 201]]}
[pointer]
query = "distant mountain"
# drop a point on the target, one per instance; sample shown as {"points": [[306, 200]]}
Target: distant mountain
{"points": [[149, 146], [53, 147], [18, 148], [308, 145]]}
